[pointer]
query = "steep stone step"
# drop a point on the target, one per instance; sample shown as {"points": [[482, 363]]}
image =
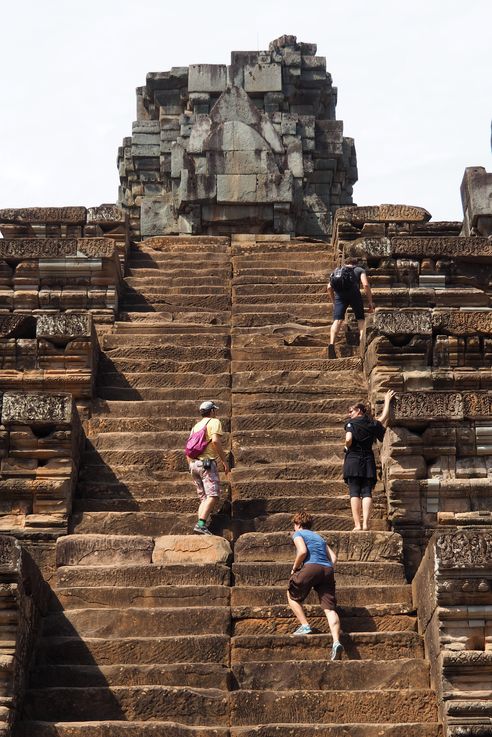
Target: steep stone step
{"points": [[261, 454], [78, 597], [188, 337], [143, 278], [339, 383], [319, 675], [264, 403], [259, 506], [363, 729], [346, 596], [193, 394], [314, 364], [328, 437], [166, 365], [142, 440], [272, 276], [279, 620], [358, 646], [324, 470], [98, 425], [291, 297], [147, 523], [185, 505], [168, 351], [278, 290], [306, 310], [197, 706], [169, 577], [206, 301], [283, 522], [133, 650], [411, 705], [156, 319], [150, 380], [194, 675], [171, 326], [255, 319], [362, 546], [348, 573], [155, 409], [117, 623], [140, 490], [276, 489], [119, 729]]}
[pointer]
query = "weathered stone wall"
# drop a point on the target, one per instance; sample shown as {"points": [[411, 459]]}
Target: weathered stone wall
{"points": [[60, 259], [253, 146], [23, 597], [430, 340], [452, 591]]}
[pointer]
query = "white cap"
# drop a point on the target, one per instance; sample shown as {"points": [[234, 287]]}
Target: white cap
{"points": [[208, 405]]}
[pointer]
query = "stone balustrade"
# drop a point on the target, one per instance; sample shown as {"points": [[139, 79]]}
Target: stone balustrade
{"points": [[452, 591], [23, 597]]}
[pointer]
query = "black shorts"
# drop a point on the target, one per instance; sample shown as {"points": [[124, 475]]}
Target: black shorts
{"points": [[317, 577], [351, 299], [360, 486]]}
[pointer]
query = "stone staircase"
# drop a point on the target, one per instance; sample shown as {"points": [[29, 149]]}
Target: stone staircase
{"points": [[140, 644]]}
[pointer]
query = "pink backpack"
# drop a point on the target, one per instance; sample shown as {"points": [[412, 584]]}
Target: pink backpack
{"points": [[197, 442]]}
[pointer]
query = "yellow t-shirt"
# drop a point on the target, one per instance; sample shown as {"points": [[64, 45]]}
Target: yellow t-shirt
{"points": [[214, 427]]}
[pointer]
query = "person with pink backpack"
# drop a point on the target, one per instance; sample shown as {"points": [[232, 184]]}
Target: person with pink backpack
{"points": [[202, 449]]}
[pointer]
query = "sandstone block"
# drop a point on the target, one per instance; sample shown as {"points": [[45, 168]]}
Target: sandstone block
{"points": [[63, 325], [263, 78], [191, 549], [103, 550], [207, 78], [37, 409]]}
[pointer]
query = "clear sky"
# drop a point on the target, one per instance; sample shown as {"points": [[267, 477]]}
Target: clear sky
{"points": [[414, 85]]}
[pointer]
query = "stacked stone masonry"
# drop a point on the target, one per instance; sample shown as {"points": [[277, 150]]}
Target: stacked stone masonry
{"points": [[146, 633], [253, 146]]}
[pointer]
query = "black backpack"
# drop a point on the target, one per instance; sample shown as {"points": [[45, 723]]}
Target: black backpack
{"points": [[343, 279]]}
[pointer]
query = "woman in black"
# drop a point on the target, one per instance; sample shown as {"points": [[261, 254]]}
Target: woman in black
{"points": [[359, 467]]}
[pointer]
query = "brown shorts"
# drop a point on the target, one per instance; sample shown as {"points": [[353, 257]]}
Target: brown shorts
{"points": [[317, 577]]}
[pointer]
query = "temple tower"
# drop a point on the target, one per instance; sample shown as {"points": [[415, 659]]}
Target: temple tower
{"points": [[253, 146]]}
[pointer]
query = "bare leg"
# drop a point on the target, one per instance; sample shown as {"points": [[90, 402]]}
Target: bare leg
{"points": [[366, 512], [297, 609], [356, 507], [334, 330], [207, 507], [361, 325], [333, 623]]}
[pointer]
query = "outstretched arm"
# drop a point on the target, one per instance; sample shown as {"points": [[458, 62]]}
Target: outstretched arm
{"points": [[384, 416]]}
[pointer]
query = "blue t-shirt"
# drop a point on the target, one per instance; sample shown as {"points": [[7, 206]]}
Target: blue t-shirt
{"points": [[316, 548]]}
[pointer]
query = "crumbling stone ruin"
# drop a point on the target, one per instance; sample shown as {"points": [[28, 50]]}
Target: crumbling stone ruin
{"points": [[253, 146], [117, 321]]}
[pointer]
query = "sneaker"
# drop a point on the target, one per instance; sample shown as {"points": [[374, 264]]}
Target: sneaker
{"points": [[304, 629], [336, 651], [331, 351], [202, 529]]}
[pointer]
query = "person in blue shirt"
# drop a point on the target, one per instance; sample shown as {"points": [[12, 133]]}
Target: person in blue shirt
{"points": [[313, 569]]}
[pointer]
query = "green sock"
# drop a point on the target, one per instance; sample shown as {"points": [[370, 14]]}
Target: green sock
{"points": [[202, 523]]}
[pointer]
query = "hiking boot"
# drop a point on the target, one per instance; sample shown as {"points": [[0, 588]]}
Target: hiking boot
{"points": [[202, 529], [331, 351], [304, 629], [336, 651]]}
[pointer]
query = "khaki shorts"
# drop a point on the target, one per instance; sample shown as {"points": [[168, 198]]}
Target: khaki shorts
{"points": [[317, 577], [207, 481]]}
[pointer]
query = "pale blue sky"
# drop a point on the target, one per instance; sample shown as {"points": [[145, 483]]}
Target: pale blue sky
{"points": [[414, 86]]}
